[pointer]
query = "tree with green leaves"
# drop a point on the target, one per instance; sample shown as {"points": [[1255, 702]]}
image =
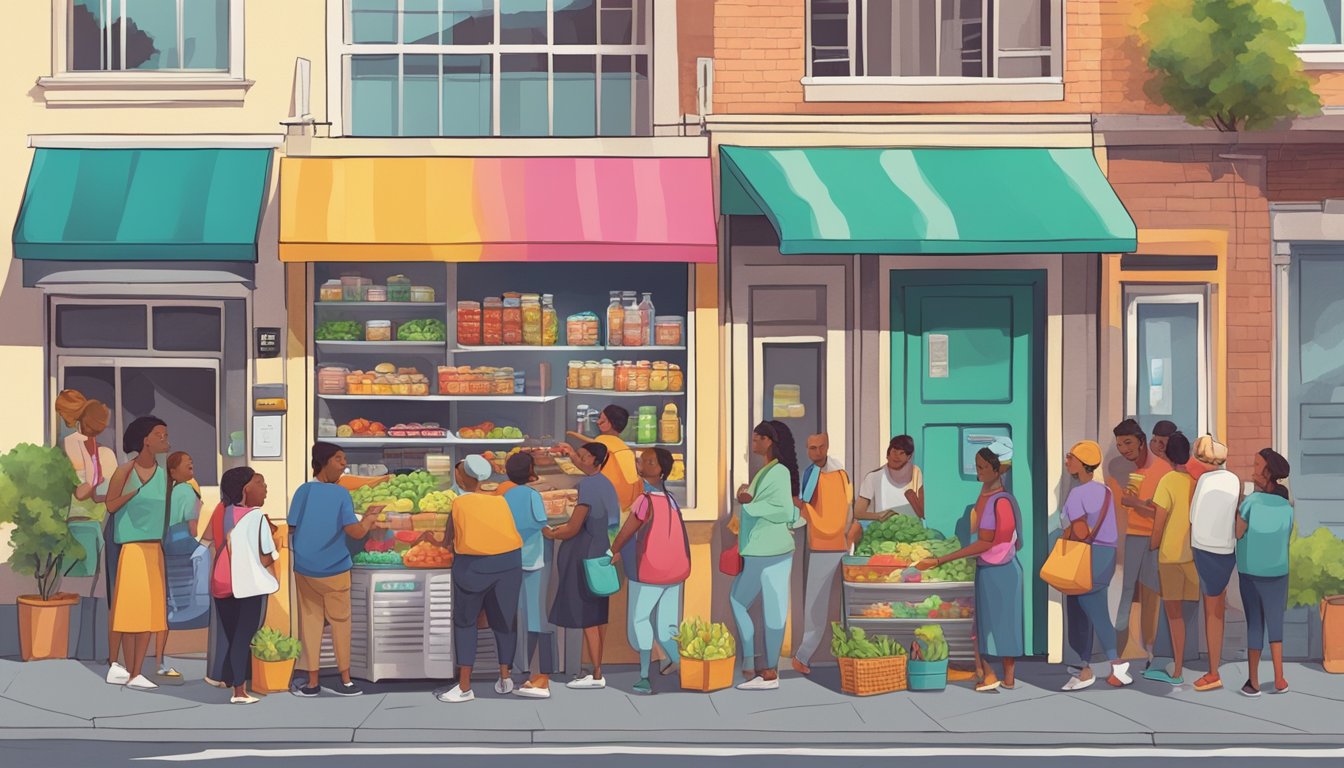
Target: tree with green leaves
{"points": [[36, 484], [1228, 63]]}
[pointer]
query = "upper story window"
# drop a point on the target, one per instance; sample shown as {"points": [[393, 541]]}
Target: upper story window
{"points": [[497, 67], [180, 36], [1008, 39], [1323, 22]]}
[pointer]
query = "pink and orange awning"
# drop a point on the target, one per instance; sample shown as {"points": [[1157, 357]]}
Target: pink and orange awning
{"points": [[496, 209]]}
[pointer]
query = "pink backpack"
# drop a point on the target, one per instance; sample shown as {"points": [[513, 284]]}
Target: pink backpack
{"points": [[664, 551]]}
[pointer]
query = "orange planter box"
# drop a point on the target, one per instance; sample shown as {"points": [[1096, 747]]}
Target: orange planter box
{"points": [[706, 676], [272, 676]]}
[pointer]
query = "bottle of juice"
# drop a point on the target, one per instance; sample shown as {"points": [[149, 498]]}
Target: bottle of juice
{"points": [[648, 425], [646, 316], [634, 322], [615, 321]]}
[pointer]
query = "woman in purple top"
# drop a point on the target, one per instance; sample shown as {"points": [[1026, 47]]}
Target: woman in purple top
{"points": [[1089, 515]]}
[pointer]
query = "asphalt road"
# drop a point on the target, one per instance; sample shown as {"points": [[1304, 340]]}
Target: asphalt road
{"points": [[101, 754]]}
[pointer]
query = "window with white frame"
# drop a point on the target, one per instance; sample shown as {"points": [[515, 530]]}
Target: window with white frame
{"points": [[163, 36], [1006, 39], [497, 67]]}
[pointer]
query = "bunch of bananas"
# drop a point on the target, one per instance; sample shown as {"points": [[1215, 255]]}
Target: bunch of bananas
{"points": [[699, 639]]}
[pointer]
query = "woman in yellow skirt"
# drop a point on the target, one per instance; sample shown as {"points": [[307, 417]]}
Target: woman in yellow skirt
{"points": [[137, 501]]}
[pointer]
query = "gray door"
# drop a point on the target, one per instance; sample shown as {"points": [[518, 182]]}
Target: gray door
{"points": [[1316, 391]]}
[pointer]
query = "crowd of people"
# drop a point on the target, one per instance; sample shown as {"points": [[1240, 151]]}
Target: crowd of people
{"points": [[1185, 531]]}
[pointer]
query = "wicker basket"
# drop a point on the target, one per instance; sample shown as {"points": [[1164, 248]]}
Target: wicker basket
{"points": [[869, 677]]}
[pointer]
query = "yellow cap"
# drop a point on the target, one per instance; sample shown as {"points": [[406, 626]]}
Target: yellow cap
{"points": [[1088, 452]]}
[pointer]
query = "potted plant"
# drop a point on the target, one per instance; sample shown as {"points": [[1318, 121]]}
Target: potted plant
{"points": [[1315, 580], [36, 484], [928, 659], [707, 654], [868, 666], [273, 657]]}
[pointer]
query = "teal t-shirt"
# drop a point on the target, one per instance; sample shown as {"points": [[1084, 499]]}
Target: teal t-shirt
{"points": [[142, 518], [1263, 551]]}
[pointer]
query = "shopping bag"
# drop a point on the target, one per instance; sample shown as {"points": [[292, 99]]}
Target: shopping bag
{"points": [[730, 561], [601, 576], [1069, 567]]}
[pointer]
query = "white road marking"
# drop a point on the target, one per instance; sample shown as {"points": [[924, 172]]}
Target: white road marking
{"points": [[887, 752]]}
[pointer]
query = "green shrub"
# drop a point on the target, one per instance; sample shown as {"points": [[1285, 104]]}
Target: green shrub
{"points": [[1315, 568], [271, 645], [36, 485]]}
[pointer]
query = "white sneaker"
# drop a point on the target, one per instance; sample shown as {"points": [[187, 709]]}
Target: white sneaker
{"points": [[1121, 673], [529, 692], [249, 699], [1077, 684], [456, 695], [586, 683], [759, 683], [141, 683], [504, 686], [117, 675]]}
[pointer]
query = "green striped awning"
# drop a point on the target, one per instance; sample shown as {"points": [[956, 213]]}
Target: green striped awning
{"points": [[831, 200], [143, 205]]}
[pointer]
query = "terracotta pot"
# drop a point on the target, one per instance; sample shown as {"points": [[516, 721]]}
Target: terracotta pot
{"points": [[272, 676], [1332, 633], [44, 626]]}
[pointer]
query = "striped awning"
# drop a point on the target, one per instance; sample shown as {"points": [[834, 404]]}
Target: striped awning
{"points": [[829, 200]]}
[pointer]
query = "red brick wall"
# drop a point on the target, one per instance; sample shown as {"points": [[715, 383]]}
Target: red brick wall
{"points": [[1192, 188]]}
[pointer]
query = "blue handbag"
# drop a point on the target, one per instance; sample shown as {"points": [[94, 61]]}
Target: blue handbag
{"points": [[601, 576]]}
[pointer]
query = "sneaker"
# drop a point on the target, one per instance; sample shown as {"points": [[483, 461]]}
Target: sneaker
{"points": [[244, 700], [346, 689], [1250, 691], [117, 675], [528, 691], [456, 695], [1120, 676], [586, 683], [214, 683], [505, 686], [643, 687], [759, 683], [168, 672], [1277, 689], [1077, 684], [299, 689], [141, 683]]}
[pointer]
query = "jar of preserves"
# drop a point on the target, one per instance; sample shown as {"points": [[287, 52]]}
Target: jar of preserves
{"points": [[355, 288], [669, 426], [378, 330], [469, 323], [531, 309], [572, 379], [642, 374], [512, 321], [422, 294], [398, 288], [619, 378], [676, 381], [631, 377], [375, 293], [503, 381], [668, 331], [587, 374], [550, 321], [608, 381], [331, 291], [658, 378], [492, 322]]}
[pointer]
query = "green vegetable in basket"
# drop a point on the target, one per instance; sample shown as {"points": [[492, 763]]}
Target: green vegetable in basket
{"points": [[856, 644], [339, 330], [930, 643]]}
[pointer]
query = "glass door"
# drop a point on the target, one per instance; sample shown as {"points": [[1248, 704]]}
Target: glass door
{"points": [[1166, 362]]}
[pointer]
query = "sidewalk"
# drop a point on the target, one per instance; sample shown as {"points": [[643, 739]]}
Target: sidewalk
{"points": [[69, 700]]}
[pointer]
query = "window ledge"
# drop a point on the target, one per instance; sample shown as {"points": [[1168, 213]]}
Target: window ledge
{"points": [[93, 90], [1322, 60], [932, 89]]}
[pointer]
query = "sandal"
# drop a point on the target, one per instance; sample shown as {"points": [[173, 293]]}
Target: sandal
{"points": [[1208, 683]]}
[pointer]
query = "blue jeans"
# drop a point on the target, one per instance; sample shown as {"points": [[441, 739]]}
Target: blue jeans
{"points": [[1266, 600], [655, 613], [766, 578], [1088, 614]]}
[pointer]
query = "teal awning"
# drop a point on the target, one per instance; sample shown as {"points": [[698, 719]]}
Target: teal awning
{"points": [[143, 205], [830, 200]]}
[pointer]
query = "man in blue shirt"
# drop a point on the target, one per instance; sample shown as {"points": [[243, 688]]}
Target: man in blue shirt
{"points": [[321, 516], [529, 516]]}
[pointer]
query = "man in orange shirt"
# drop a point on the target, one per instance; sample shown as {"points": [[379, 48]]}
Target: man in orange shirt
{"points": [[1139, 572], [825, 496]]}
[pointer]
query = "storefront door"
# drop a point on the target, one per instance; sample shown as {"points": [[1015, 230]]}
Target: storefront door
{"points": [[1316, 391], [966, 369], [1166, 357]]}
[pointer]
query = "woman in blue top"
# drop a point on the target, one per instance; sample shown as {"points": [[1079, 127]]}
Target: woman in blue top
{"points": [[1264, 530], [765, 541]]}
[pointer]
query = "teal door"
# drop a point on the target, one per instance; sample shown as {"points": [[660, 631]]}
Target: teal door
{"points": [[966, 368]]}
